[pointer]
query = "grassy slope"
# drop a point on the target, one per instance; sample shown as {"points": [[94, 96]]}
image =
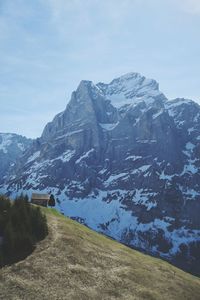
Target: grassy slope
{"points": [[74, 262]]}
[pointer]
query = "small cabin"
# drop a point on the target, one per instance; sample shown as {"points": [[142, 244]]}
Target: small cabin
{"points": [[40, 199]]}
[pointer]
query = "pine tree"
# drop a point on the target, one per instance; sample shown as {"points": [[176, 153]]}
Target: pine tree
{"points": [[52, 201], [21, 226]]}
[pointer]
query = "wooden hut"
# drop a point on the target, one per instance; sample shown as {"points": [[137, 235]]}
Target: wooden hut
{"points": [[40, 199]]}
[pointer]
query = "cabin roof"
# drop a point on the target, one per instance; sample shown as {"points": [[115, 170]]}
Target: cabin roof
{"points": [[40, 196]]}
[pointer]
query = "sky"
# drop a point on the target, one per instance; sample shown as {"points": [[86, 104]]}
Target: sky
{"points": [[48, 46]]}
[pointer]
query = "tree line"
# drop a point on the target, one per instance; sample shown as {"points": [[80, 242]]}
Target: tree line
{"points": [[22, 225]]}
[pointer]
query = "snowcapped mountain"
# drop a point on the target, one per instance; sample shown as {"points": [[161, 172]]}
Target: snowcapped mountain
{"points": [[124, 160], [131, 88], [11, 147]]}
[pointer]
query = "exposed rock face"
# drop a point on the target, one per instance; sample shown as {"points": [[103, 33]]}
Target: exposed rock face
{"points": [[11, 148], [125, 161]]}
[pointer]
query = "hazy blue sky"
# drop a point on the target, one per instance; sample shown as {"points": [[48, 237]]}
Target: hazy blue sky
{"points": [[48, 46]]}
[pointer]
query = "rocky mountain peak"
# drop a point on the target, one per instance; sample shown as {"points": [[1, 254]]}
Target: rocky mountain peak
{"points": [[134, 80], [98, 103], [83, 90], [131, 88], [124, 161]]}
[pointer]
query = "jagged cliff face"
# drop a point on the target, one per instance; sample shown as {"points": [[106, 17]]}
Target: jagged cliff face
{"points": [[125, 161], [11, 148]]}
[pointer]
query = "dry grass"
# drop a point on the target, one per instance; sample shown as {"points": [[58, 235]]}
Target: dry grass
{"points": [[74, 262]]}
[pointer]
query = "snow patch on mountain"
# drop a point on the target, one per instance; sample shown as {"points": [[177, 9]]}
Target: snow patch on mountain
{"points": [[86, 155], [108, 126], [113, 178], [66, 156], [6, 141], [33, 157]]}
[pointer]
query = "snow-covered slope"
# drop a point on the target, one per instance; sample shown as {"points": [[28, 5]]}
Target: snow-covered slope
{"points": [[124, 160]]}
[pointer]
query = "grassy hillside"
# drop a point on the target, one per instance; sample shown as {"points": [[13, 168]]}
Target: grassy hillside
{"points": [[74, 262]]}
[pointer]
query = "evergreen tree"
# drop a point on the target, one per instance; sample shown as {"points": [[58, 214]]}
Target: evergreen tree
{"points": [[21, 226], [52, 201]]}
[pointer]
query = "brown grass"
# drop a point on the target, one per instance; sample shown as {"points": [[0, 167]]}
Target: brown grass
{"points": [[74, 262]]}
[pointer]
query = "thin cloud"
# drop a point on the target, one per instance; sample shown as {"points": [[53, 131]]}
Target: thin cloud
{"points": [[189, 6], [76, 14]]}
